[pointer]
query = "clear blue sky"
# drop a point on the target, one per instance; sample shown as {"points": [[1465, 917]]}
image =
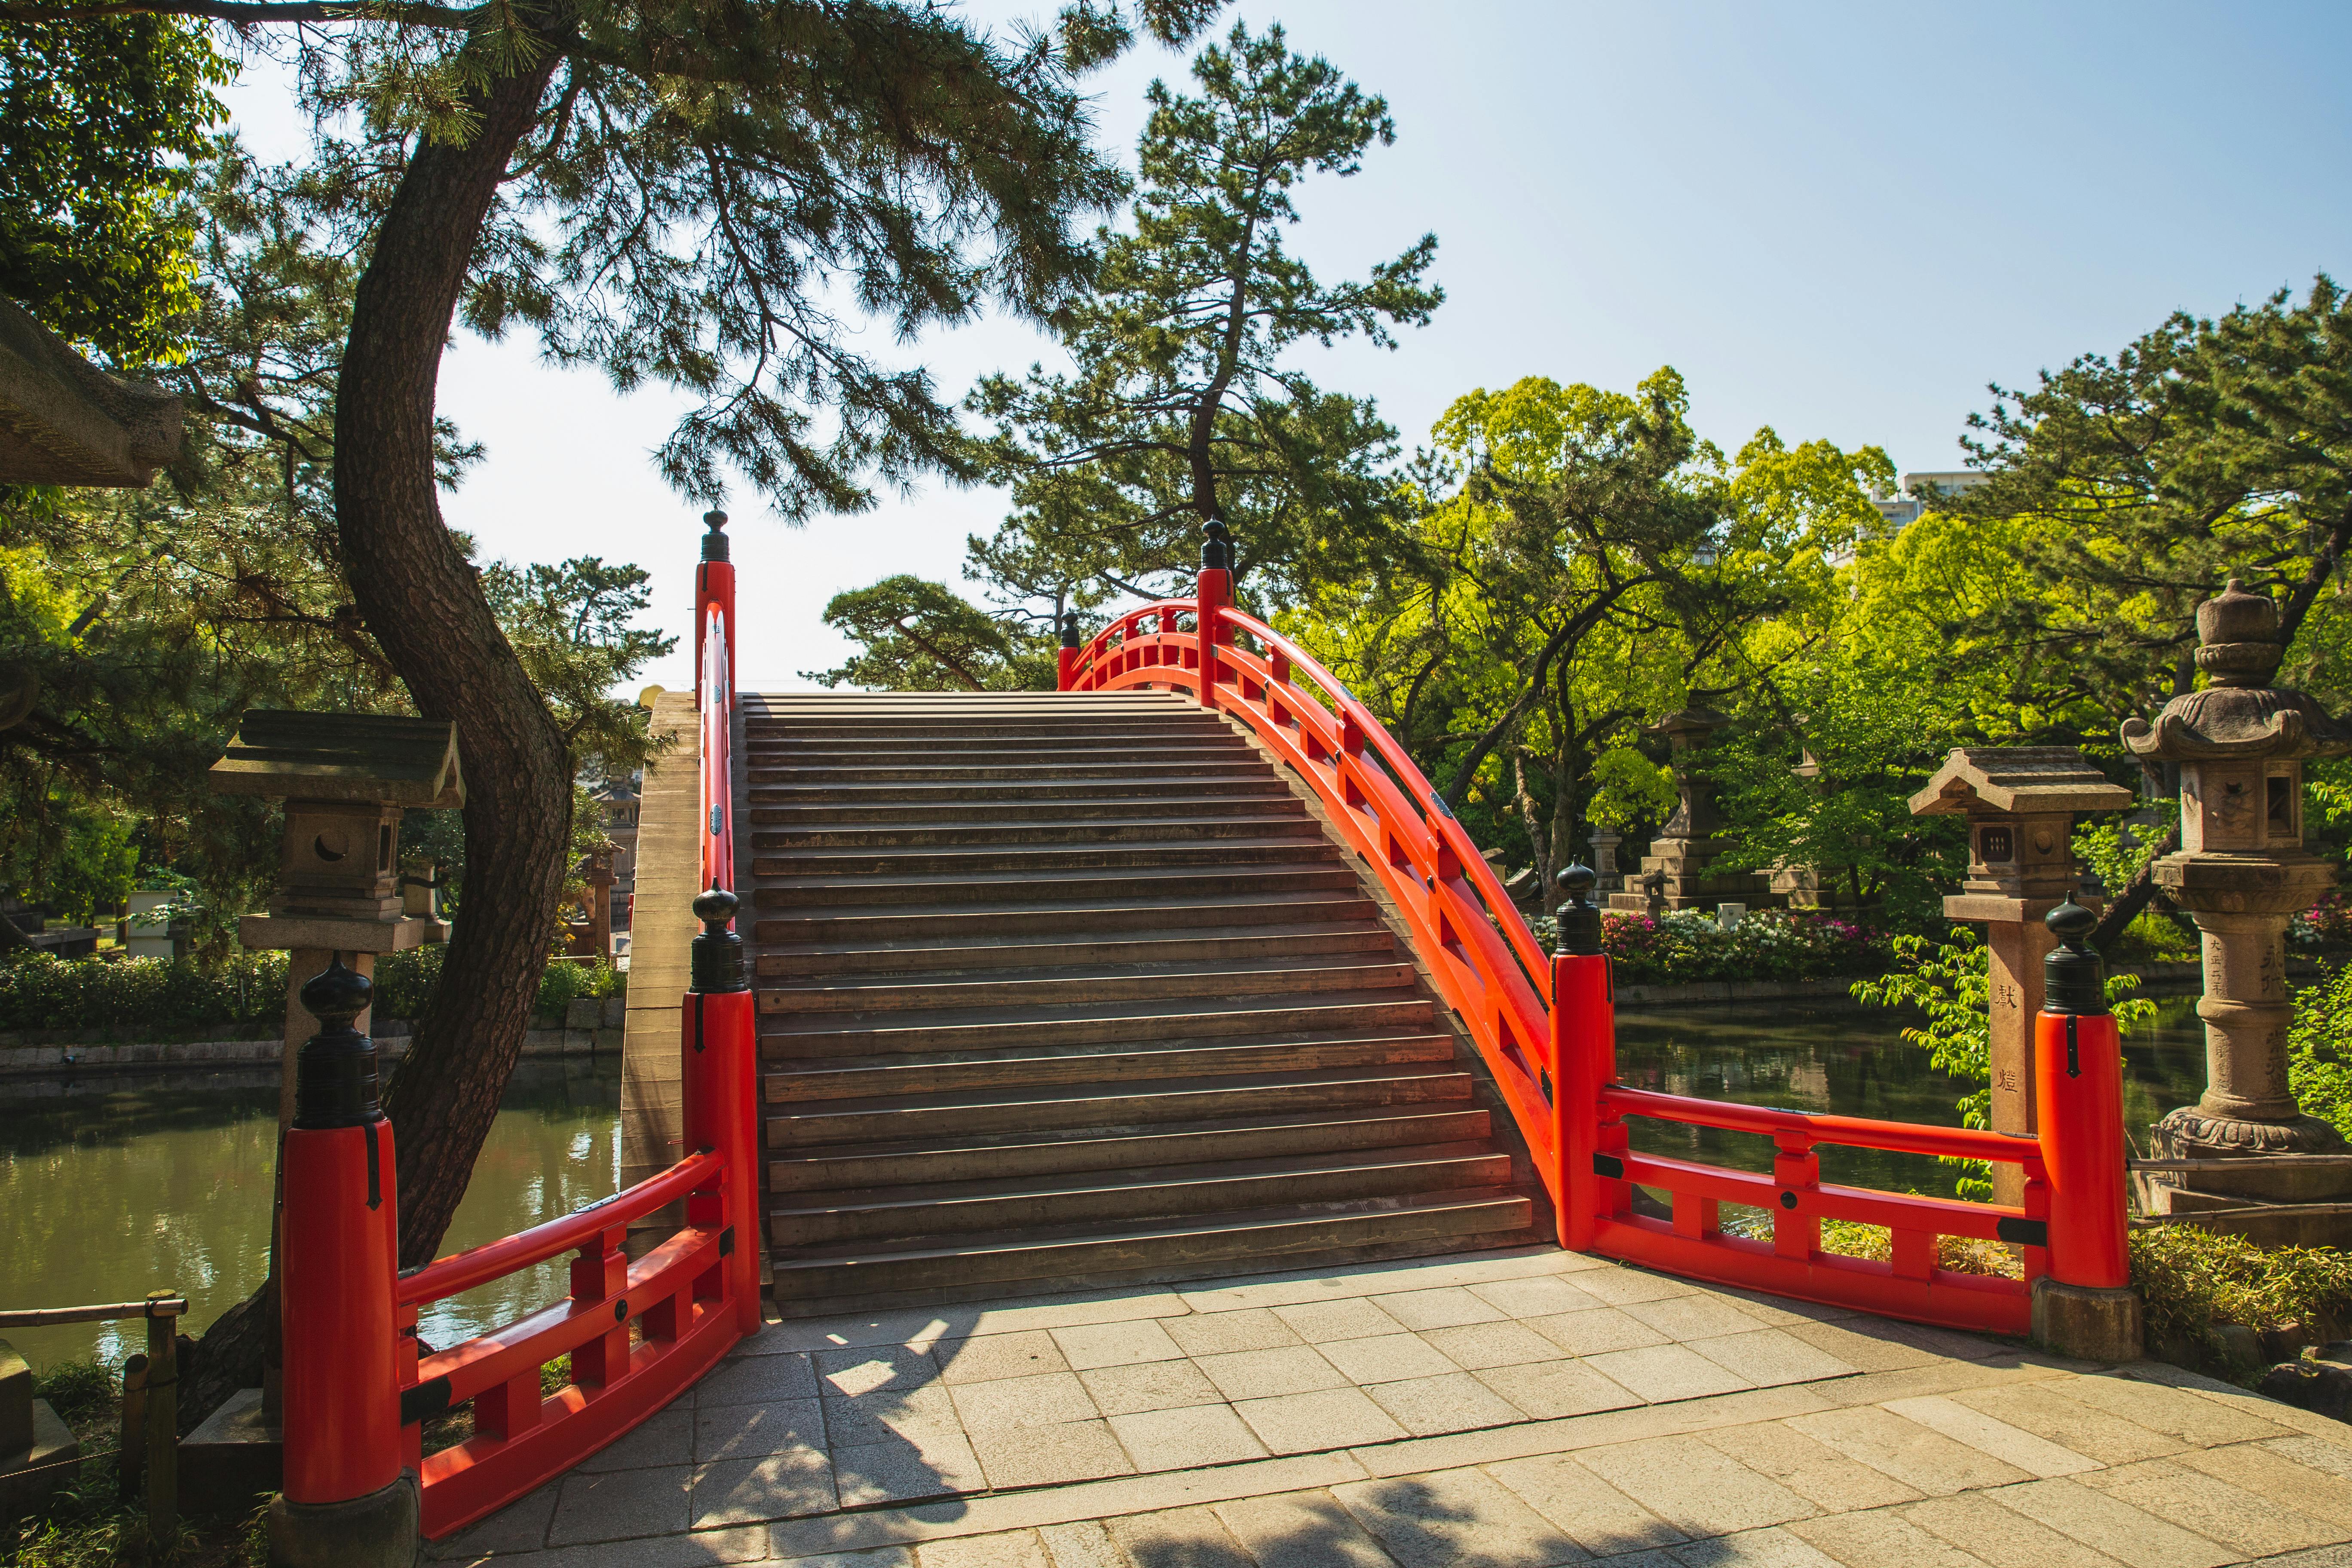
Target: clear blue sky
{"points": [[1839, 220]]}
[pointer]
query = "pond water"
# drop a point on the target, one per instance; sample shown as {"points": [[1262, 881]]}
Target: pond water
{"points": [[1855, 1062], [111, 1188], [114, 1187]]}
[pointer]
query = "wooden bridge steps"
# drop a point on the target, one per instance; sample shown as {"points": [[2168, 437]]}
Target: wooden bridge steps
{"points": [[1057, 990]]}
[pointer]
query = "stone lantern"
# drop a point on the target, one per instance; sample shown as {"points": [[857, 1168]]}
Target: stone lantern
{"points": [[346, 779], [2241, 872], [2020, 802], [1674, 873]]}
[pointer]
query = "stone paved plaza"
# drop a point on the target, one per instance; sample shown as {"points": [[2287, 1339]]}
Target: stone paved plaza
{"points": [[1492, 1410]]}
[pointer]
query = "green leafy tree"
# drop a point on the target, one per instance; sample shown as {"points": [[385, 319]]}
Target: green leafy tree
{"points": [[102, 121], [571, 626], [1184, 407], [1871, 738], [920, 636]]}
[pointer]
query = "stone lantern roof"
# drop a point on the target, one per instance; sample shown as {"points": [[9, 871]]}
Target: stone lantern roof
{"points": [[2018, 781], [364, 757], [2238, 714]]}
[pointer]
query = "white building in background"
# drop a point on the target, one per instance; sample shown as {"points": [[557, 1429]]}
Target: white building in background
{"points": [[1904, 508]]}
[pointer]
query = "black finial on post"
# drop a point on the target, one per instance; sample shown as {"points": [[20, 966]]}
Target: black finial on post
{"points": [[1579, 918], [334, 1075], [2074, 980], [714, 543], [1217, 547], [717, 961], [1070, 629]]}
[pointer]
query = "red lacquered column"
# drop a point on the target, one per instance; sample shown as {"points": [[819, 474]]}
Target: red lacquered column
{"points": [[721, 1090], [338, 1261], [1583, 1054]]}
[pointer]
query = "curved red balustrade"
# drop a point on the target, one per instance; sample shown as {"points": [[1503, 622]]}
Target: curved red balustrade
{"points": [[1544, 1029]]}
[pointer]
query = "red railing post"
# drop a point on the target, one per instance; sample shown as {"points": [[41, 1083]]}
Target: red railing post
{"points": [[721, 1058], [346, 1497], [1215, 593], [714, 584], [1067, 666], [2085, 1306], [1583, 1057]]}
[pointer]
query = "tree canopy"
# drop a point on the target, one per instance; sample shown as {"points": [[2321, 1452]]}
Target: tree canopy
{"points": [[103, 121], [1185, 404]]}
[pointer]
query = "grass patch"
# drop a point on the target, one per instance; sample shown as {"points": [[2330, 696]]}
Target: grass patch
{"points": [[2194, 1280], [1959, 1254]]}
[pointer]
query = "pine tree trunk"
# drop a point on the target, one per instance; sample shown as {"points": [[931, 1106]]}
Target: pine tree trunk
{"points": [[423, 603]]}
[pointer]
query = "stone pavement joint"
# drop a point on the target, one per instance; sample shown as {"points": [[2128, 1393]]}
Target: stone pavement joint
{"points": [[1485, 1410]]}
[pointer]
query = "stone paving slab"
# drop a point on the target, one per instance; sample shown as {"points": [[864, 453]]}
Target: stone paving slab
{"points": [[1487, 1410]]}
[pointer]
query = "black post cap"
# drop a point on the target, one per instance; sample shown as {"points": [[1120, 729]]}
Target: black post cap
{"points": [[1070, 629], [1579, 919], [2074, 980], [714, 543], [717, 960], [1217, 546], [334, 1075]]}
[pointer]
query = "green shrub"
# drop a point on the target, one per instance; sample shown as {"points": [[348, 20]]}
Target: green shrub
{"points": [[2154, 938], [1687, 945], [145, 997], [564, 982], [404, 981], [2192, 1279], [150, 996], [2319, 1056]]}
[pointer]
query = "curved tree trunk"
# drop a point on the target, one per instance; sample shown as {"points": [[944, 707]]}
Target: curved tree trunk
{"points": [[425, 606]]}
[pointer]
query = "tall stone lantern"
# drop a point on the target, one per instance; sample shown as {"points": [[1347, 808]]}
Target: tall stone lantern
{"points": [[2020, 803], [1677, 863], [346, 780], [2242, 872]]}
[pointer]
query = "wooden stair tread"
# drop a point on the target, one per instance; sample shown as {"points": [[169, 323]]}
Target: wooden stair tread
{"points": [[1135, 1177], [1245, 1220]]}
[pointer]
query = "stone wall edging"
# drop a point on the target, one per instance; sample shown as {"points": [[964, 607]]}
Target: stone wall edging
{"points": [[28, 1061]]}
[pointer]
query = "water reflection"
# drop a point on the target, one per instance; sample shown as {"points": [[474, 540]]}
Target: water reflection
{"points": [[1855, 1062], [111, 1188]]}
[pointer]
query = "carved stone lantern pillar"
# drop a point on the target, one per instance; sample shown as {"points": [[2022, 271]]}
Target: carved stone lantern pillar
{"points": [[2242, 872], [1674, 873], [2020, 802], [346, 780], [1607, 878]]}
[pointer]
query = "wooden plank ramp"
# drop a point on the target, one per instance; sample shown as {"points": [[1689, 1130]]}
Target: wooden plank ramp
{"points": [[1060, 990]]}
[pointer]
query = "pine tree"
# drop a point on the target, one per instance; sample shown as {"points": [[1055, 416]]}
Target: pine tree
{"points": [[1183, 406]]}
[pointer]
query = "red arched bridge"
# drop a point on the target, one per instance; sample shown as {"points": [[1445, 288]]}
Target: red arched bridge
{"points": [[1178, 971]]}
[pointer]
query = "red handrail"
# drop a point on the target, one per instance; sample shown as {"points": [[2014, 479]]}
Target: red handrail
{"points": [[1547, 1039], [1488, 965], [1852, 1131], [717, 761], [476, 1265]]}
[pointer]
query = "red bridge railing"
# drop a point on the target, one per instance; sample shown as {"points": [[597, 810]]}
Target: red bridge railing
{"points": [[1544, 1029], [631, 1335]]}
